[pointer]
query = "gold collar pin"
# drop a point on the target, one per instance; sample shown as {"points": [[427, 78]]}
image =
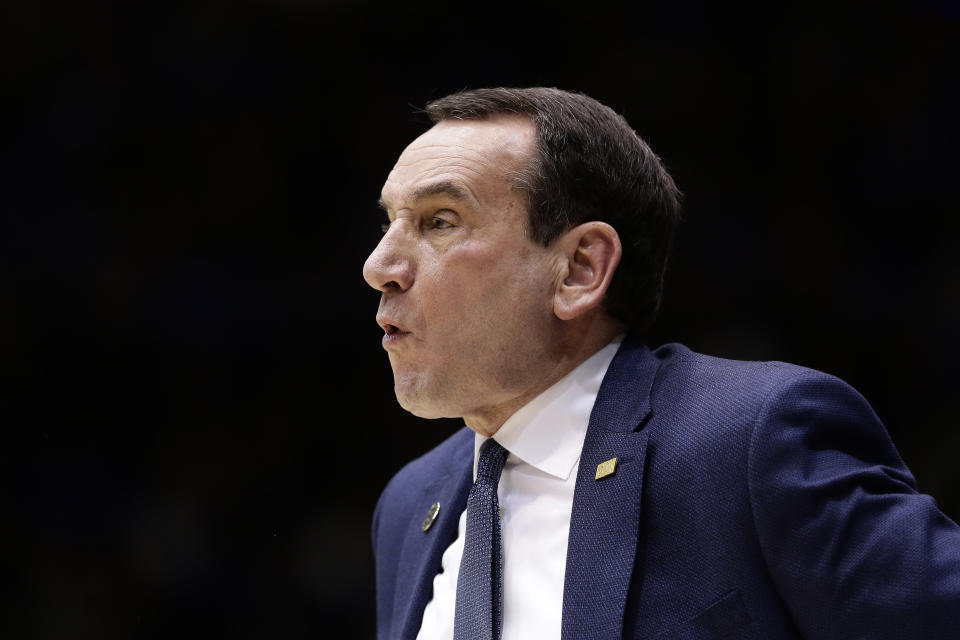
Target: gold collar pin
{"points": [[605, 469]]}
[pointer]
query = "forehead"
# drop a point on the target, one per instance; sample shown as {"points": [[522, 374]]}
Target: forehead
{"points": [[480, 157]]}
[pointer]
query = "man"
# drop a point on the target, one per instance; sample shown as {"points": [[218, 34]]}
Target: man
{"points": [[613, 491]]}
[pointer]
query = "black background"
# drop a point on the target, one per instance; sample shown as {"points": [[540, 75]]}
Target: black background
{"points": [[199, 413]]}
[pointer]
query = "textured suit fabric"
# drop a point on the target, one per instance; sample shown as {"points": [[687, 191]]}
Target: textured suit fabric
{"points": [[750, 500]]}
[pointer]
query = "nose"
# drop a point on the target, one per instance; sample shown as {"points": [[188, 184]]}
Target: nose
{"points": [[391, 265]]}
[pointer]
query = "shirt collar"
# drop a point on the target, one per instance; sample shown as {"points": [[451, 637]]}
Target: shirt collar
{"points": [[548, 432]]}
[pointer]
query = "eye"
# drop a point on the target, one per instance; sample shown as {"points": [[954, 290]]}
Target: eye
{"points": [[442, 219]]}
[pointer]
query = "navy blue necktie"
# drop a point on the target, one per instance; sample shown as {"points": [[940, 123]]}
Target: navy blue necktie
{"points": [[479, 609]]}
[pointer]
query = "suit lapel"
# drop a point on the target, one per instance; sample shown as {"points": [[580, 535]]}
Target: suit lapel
{"points": [[422, 551], [605, 522]]}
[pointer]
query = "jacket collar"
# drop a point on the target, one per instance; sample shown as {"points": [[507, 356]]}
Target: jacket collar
{"points": [[605, 523], [423, 550]]}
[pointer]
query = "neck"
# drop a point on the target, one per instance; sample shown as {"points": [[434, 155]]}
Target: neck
{"points": [[574, 345]]}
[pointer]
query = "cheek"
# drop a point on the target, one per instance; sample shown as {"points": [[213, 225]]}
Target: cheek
{"points": [[459, 277], [469, 282], [484, 284], [487, 293]]}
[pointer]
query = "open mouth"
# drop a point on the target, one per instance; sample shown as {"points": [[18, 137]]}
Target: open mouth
{"points": [[393, 334]]}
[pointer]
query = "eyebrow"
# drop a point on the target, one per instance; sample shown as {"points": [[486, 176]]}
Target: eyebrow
{"points": [[441, 188]]}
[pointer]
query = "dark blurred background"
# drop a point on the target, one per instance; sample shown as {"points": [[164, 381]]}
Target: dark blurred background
{"points": [[199, 415]]}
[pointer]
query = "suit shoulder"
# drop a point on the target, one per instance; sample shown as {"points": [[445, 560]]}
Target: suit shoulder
{"points": [[731, 395], [713, 413], [748, 380], [444, 460]]}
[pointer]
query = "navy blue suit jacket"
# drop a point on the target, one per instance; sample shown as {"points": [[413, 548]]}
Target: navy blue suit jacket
{"points": [[751, 500]]}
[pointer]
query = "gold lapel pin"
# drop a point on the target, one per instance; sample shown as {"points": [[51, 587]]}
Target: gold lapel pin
{"points": [[431, 516], [606, 468]]}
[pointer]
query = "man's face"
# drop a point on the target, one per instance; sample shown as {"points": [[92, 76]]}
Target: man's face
{"points": [[467, 299]]}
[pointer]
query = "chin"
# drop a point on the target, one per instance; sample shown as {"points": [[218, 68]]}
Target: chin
{"points": [[419, 406], [419, 409]]}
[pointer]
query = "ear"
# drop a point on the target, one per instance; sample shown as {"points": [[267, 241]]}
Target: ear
{"points": [[592, 252]]}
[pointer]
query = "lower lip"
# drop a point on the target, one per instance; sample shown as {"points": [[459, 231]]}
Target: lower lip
{"points": [[391, 339]]}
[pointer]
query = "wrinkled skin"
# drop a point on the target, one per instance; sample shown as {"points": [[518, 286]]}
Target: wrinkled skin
{"points": [[467, 299]]}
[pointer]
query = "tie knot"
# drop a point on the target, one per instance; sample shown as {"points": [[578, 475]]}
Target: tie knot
{"points": [[492, 458]]}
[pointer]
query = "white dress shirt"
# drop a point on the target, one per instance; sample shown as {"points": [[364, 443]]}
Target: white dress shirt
{"points": [[544, 438]]}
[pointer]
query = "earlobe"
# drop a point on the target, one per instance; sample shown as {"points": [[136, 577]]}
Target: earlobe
{"points": [[592, 252]]}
